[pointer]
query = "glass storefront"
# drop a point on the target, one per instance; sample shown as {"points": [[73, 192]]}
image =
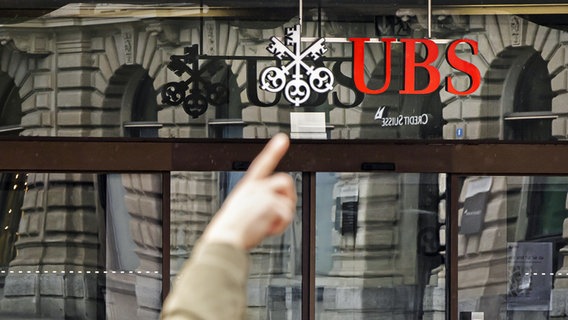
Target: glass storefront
{"points": [[373, 238], [428, 152]]}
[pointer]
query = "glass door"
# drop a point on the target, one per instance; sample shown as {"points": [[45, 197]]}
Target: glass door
{"points": [[378, 249]]}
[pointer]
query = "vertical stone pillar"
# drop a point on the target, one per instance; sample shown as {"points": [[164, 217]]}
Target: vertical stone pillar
{"points": [[144, 204], [57, 269], [434, 303], [76, 110], [53, 274], [194, 201]]}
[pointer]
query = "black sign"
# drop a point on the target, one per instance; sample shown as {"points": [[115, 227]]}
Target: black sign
{"points": [[475, 205], [196, 92]]}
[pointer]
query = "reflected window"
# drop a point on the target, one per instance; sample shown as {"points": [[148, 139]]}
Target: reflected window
{"points": [[131, 95], [378, 253], [12, 185], [12, 190], [10, 106], [546, 207], [133, 243], [526, 96]]}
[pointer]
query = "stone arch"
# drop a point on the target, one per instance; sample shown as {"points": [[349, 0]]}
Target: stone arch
{"points": [[16, 67], [518, 81], [130, 96], [128, 60]]}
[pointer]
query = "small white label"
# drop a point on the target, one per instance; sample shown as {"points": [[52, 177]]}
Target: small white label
{"points": [[349, 190], [307, 125], [480, 185], [477, 316]]}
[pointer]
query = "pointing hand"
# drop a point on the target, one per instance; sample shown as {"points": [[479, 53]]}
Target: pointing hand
{"points": [[261, 205]]}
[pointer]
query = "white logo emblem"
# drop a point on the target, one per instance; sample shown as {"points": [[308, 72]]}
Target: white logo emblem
{"points": [[380, 111], [298, 89]]}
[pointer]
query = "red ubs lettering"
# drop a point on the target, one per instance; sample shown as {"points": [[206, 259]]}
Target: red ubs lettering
{"points": [[410, 66]]}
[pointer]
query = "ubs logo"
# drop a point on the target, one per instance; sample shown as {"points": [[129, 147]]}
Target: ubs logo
{"points": [[304, 77], [196, 92], [301, 76]]}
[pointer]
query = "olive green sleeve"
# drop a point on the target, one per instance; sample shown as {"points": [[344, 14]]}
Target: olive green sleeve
{"points": [[211, 285]]}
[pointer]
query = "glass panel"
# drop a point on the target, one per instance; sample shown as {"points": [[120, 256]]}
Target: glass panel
{"points": [[202, 70], [378, 250], [81, 246], [275, 278], [511, 246]]}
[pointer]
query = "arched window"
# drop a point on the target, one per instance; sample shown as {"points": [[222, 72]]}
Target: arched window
{"points": [[131, 94], [10, 106], [12, 185], [526, 96]]}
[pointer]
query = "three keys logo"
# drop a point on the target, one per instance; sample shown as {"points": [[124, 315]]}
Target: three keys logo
{"points": [[297, 78], [196, 92]]}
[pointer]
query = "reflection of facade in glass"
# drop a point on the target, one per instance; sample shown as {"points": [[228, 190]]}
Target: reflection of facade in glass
{"points": [[100, 70]]}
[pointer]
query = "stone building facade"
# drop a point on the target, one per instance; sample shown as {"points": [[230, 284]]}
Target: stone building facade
{"points": [[98, 70]]}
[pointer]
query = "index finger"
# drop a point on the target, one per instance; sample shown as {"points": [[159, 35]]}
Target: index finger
{"points": [[267, 160]]}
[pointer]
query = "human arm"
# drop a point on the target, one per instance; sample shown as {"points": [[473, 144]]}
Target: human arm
{"points": [[212, 284]]}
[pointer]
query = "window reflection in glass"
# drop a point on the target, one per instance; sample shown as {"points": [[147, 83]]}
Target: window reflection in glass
{"points": [[88, 246], [511, 245], [12, 189], [378, 252]]}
